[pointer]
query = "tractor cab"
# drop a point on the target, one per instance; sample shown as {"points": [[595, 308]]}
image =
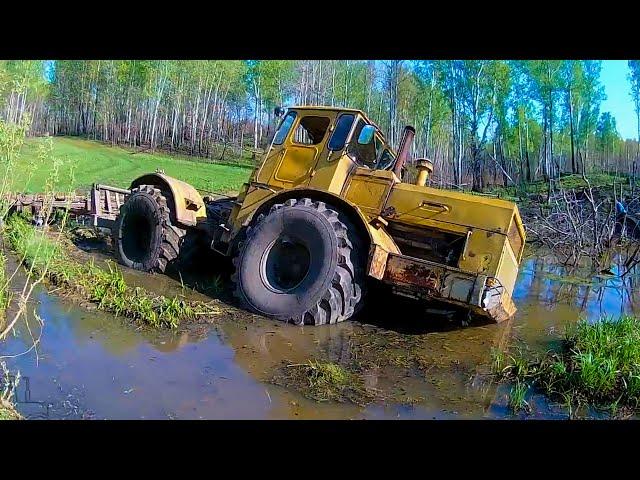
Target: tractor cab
{"points": [[322, 141]]}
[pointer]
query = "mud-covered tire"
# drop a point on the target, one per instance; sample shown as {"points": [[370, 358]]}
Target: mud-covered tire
{"points": [[144, 236], [302, 263]]}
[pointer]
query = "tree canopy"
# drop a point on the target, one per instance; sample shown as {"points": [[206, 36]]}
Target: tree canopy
{"points": [[482, 122]]}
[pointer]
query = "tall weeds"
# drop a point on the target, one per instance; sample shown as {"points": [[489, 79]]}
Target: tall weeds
{"points": [[598, 365], [14, 299]]}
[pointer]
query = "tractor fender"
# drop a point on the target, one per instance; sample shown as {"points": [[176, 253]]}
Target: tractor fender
{"points": [[378, 241], [184, 200]]}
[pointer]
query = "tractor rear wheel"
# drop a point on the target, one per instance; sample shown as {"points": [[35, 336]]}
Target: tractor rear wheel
{"points": [[144, 236], [301, 263]]}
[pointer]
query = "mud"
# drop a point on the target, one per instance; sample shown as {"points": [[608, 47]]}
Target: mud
{"points": [[408, 361]]}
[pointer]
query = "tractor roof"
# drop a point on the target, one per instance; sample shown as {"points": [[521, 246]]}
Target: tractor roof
{"points": [[334, 109]]}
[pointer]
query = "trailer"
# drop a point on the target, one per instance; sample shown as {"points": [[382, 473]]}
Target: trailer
{"points": [[98, 208]]}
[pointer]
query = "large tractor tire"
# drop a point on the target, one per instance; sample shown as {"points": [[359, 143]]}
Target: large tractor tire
{"points": [[144, 236], [301, 263]]}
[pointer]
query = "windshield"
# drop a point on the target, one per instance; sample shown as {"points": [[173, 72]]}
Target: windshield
{"points": [[284, 128], [343, 126]]}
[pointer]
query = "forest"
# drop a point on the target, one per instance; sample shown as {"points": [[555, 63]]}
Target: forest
{"points": [[482, 122]]}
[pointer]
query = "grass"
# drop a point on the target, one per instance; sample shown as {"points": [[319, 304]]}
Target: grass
{"points": [[4, 291], [598, 365], [8, 413], [324, 381], [106, 289], [517, 401], [213, 286], [93, 161], [8, 384]]}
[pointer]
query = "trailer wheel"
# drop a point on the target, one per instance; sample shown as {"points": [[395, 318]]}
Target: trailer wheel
{"points": [[301, 263], [144, 236]]}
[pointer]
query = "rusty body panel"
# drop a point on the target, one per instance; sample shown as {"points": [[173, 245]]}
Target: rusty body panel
{"points": [[428, 280], [101, 204]]}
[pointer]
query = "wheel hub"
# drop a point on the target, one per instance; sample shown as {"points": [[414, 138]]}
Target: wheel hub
{"points": [[285, 264]]}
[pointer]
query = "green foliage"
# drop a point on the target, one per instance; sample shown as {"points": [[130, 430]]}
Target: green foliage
{"points": [[483, 122], [105, 288], [517, 394], [324, 381], [634, 78], [607, 136], [599, 365], [31, 243], [213, 286], [4, 289]]}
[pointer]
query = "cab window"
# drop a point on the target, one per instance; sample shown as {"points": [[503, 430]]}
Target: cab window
{"points": [[379, 146], [284, 128], [311, 130], [386, 160], [340, 133], [363, 154]]}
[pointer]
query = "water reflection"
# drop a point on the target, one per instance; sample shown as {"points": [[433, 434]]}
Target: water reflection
{"points": [[562, 294]]}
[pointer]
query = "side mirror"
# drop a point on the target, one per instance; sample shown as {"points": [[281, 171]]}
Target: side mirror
{"points": [[279, 111], [366, 134]]}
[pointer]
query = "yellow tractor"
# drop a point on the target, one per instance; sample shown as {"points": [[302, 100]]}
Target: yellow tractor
{"points": [[326, 212]]}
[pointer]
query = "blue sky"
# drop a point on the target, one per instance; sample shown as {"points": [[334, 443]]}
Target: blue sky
{"points": [[619, 102]]}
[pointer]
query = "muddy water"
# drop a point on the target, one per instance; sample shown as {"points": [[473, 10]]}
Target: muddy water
{"points": [[92, 365]]}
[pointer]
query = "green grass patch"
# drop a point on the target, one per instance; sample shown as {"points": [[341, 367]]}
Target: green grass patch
{"points": [[95, 162], [598, 365], [7, 412], [105, 288], [4, 289], [324, 381], [213, 286], [517, 395]]}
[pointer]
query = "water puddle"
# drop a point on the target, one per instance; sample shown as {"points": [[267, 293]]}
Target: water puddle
{"points": [[95, 366]]}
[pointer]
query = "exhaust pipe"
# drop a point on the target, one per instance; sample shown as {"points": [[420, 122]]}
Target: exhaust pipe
{"points": [[405, 144], [425, 168]]}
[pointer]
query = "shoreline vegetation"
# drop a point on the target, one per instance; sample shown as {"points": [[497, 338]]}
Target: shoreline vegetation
{"points": [[105, 289], [597, 366], [8, 384]]}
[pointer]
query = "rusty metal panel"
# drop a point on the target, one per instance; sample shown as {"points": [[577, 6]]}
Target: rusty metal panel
{"points": [[419, 278], [429, 277], [377, 261]]}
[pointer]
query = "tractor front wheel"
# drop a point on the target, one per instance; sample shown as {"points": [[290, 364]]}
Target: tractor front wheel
{"points": [[301, 263]]}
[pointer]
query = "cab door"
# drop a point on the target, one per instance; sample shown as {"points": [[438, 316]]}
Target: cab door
{"points": [[292, 165], [277, 149]]}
